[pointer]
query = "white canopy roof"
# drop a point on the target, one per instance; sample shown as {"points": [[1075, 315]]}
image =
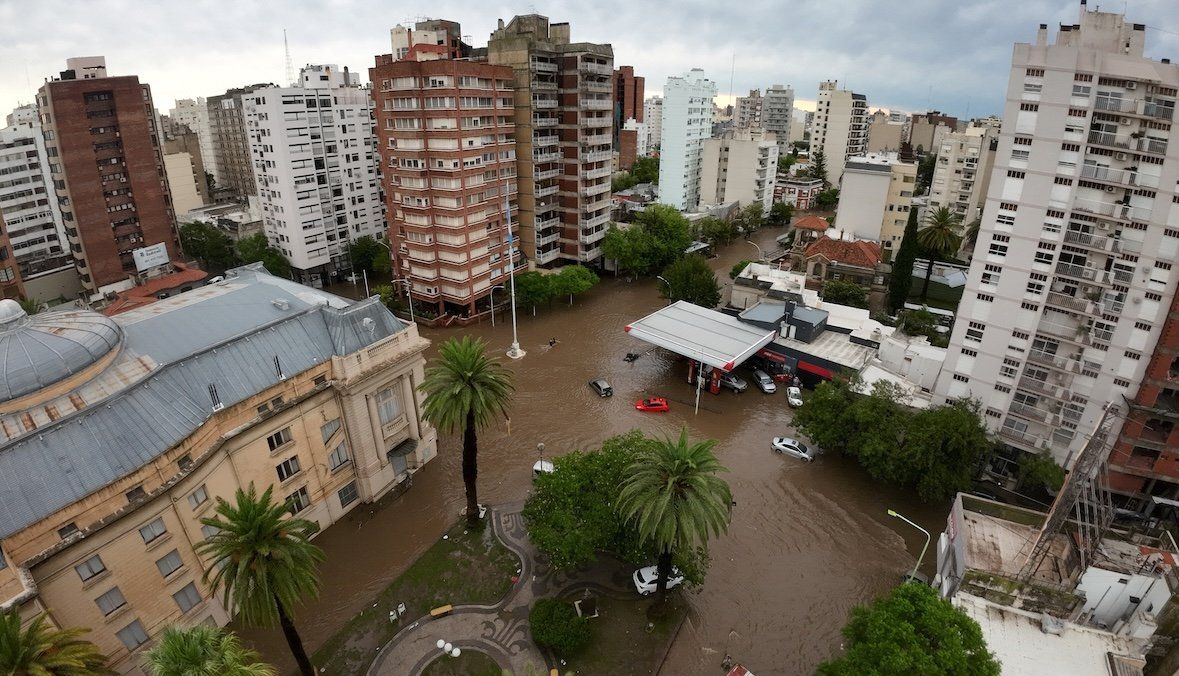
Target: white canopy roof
{"points": [[708, 336]]}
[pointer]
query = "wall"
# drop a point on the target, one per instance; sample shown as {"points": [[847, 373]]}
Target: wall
{"points": [[863, 195], [182, 180], [1107, 594], [61, 284]]}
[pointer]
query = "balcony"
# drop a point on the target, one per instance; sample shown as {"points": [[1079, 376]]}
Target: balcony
{"points": [[1116, 105], [596, 122], [550, 156], [597, 86], [548, 190], [1069, 303], [543, 66], [587, 255], [1153, 109], [543, 207], [591, 190], [596, 139], [545, 141], [542, 240], [1083, 272], [592, 237], [544, 84], [597, 104], [549, 256], [1123, 212], [544, 122], [1047, 359], [1152, 146], [1039, 386], [1029, 412], [597, 68], [1088, 240], [595, 221], [544, 104], [598, 156], [1023, 438], [1109, 140], [1124, 178], [602, 172], [547, 174], [551, 222]]}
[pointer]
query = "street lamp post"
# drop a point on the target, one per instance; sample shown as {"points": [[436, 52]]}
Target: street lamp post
{"points": [[514, 352], [497, 286], [923, 548], [668, 287], [408, 296], [761, 256]]}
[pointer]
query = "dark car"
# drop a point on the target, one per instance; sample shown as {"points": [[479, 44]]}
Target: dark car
{"points": [[602, 387]]}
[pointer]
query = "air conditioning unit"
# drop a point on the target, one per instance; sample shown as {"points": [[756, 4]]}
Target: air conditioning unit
{"points": [[1103, 225], [1122, 156], [1110, 188], [1131, 85], [1124, 120]]}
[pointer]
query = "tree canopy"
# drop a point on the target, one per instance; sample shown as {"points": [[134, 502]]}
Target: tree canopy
{"points": [[912, 631], [201, 650], [827, 199], [659, 235], [370, 254], [533, 288], [750, 218], [925, 173], [42, 650], [842, 292], [818, 166], [209, 245], [1039, 471], [900, 283], [257, 248], [645, 169], [715, 231], [738, 268], [572, 280], [690, 279], [781, 213]]}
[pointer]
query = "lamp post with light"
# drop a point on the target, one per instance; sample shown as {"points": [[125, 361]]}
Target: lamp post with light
{"points": [[923, 548]]}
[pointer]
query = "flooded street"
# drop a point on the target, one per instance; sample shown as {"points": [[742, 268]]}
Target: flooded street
{"points": [[807, 541]]}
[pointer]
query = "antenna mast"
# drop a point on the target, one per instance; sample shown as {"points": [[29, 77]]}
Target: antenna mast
{"points": [[290, 68]]}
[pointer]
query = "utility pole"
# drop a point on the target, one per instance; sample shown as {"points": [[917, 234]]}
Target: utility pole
{"points": [[290, 68], [514, 352]]}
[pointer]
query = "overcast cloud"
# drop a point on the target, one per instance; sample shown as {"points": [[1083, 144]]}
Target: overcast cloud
{"points": [[951, 55]]}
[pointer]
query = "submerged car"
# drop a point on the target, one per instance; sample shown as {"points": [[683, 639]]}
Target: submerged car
{"points": [[733, 382], [601, 387], [652, 404], [646, 579], [794, 396], [764, 382], [795, 448]]}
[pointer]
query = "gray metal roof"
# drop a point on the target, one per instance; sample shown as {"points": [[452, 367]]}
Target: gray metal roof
{"points": [[708, 336], [37, 351], [227, 335], [809, 315]]}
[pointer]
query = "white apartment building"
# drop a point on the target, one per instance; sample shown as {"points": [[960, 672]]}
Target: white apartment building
{"points": [[876, 194], [776, 114], [741, 166], [28, 206], [314, 160], [653, 119], [840, 128], [1068, 301], [194, 113], [747, 112], [687, 121], [963, 171]]}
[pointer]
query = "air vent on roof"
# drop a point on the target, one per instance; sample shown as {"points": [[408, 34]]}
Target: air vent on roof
{"points": [[217, 405], [278, 368], [281, 303]]}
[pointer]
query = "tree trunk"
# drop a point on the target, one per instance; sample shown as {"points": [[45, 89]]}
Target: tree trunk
{"points": [[293, 641], [928, 274], [663, 571], [471, 469]]}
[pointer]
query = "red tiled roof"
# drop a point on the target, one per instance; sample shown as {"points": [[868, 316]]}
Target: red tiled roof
{"points": [[812, 223], [145, 294], [859, 252]]}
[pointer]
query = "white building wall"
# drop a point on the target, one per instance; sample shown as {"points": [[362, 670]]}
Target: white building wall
{"points": [[653, 119], [687, 121], [739, 170], [1069, 287], [27, 202], [182, 180], [863, 200], [777, 114], [195, 115], [840, 126], [316, 169], [958, 175]]}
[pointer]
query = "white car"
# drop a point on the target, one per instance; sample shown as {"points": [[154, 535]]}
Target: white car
{"points": [[764, 382], [794, 396], [645, 579], [793, 447]]}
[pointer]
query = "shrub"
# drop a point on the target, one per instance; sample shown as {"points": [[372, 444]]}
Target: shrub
{"points": [[555, 625]]}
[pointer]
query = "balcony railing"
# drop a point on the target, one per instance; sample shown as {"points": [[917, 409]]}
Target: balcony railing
{"points": [[592, 237], [602, 172], [545, 141], [1130, 178], [541, 240], [596, 122], [1116, 105], [1109, 140], [544, 67], [596, 139], [1152, 109], [1047, 359], [547, 223], [597, 86], [544, 104], [1033, 385], [549, 256], [1025, 411], [1112, 209], [591, 190], [598, 68], [598, 156], [597, 104], [1155, 147], [551, 156], [1078, 271], [547, 174], [546, 191], [1018, 437], [544, 122], [1068, 302], [590, 254]]}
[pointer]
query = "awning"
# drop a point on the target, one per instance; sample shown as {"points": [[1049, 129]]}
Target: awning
{"points": [[817, 370], [714, 338]]}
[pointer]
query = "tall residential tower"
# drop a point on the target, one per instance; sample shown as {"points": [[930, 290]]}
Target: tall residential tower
{"points": [[687, 121]]}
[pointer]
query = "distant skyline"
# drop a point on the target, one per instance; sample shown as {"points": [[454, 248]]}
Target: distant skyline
{"points": [[913, 55]]}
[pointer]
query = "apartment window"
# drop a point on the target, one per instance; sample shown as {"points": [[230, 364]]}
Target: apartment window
{"points": [[298, 501], [184, 462], [1002, 388], [338, 457], [1060, 180], [993, 413], [1029, 107], [287, 468], [110, 601], [1035, 72], [169, 563], [1006, 370], [348, 494], [1132, 355], [319, 380], [136, 494], [1121, 382], [279, 438], [67, 530], [974, 331], [1070, 147], [1020, 155], [329, 428], [1029, 306], [986, 298], [1162, 265], [187, 598], [969, 353], [1019, 141], [1020, 335], [1015, 174], [153, 530], [199, 497], [997, 249], [209, 531], [388, 406], [1005, 219], [961, 378], [1035, 288], [90, 567], [1142, 325], [132, 635], [1154, 296]]}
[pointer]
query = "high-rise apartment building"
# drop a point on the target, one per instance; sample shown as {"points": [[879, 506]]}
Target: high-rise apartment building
{"points": [[776, 115], [927, 130], [876, 195], [628, 116], [653, 114], [1070, 303], [315, 164], [194, 114], [840, 128], [687, 121], [185, 167], [28, 205], [741, 166], [447, 143], [104, 149], [962, 172], [564, 136], [230, 142], [747, 112]]}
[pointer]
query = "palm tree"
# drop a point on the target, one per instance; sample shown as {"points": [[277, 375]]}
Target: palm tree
{"points": [[939, 238], [675, 499], [970, 235], [263, 562], [465, 390], [203, 651], [41, 650]]}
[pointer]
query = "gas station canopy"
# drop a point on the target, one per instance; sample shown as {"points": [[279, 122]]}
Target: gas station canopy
{"points": [[707, 336]]}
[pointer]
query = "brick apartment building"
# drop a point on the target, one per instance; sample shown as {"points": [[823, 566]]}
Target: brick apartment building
{"points": [[628, 106]]}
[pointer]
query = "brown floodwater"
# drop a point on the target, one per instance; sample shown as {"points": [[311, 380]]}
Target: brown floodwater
{"points": [[807, 541]]}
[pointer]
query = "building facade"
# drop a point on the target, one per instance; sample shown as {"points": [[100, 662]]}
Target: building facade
{"points": [[741, 166], [962, 173], [876, 196], [928, 130], [230, 142], [777, 115], [653, 114], [194, 114], [279, 387], [840, 128], [315, 163], [1070, 300], [884, 135], [185, 167], [629, 133], [28, 204], [447, 142], [108, 172], [687, 121], [564, 133], [747, 111]]}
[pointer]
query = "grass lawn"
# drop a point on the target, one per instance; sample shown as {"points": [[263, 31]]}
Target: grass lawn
{"points": [[621, 643], [467, 567], [940, 295], [469, 663]]}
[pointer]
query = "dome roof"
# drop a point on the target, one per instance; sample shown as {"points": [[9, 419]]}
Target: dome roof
{"points": [[38, 351]]}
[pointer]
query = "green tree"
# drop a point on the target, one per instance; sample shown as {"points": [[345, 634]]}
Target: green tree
{"points": [[925, 173], [364, 252], [945, 447], [645, 170], [622, 182], [257, 248], [555, 624], [572, 280], [715, 231], [751, 218], [628, 247], [970, 235], [690, 279], [41, 650], [843, 292], [920, 322], [208, 244], [818, 166], [827, 199], [383, 263], [912, 631], [262, 562], [785, 162], [781, 213], [675, 498], [533, 288], [822, 417], [30, 306], [738, 268], [464, 391], [900, 283], [874, 427], [669, 233], [202, 650], [1040, 471], [939, 239]]}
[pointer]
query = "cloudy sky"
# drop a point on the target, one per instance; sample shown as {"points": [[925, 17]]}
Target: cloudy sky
{"points": [[909, 54]]}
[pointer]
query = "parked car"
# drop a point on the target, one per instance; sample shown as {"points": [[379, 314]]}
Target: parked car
{"points": [[733, 382], [652, 404], [794, 396], [602, 387], [764, 382], [646, 579], [795, 448]]}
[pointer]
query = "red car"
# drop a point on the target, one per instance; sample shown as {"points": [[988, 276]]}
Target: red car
{"points": [[657, 404]]}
